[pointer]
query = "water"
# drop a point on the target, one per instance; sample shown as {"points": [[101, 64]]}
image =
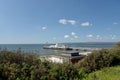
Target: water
{"points": [[92, 44], [38, 48]]}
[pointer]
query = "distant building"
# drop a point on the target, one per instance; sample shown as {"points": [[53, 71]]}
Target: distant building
{"points": [[71, 57], [85, 53]]}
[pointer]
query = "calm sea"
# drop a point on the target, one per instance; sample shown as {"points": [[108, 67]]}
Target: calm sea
{"points": [[38, 48]]}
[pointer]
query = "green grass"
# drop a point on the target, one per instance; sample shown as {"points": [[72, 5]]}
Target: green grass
{"points": [[112, 73]]}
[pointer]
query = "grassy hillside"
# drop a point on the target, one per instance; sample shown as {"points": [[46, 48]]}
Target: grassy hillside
{"points": [[111, 73]]}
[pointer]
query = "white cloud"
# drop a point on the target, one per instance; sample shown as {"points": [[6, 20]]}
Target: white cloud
{"points": [[108, 29], [115, 23], [73, 33], [66, 36], [63, 21], [44, 28], [72, 22], [85, 24], [113, 36], [89, 36], [54, 38], [76, 37], [98, 37], [71, 39]]}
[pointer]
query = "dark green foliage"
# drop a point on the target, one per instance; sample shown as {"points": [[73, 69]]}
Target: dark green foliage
{"points": [[101, 58], [97, 60], [117, 46], [115, 51], [16, 65]]}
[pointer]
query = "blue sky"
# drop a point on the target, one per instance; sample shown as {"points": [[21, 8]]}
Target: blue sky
{"points": [[41, 21]]}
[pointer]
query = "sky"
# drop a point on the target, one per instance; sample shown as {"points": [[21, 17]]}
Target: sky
{"points": [[58, 21]]}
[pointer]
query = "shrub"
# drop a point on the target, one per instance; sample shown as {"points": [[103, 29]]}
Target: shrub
{"points": [[16, 65], [116, 54], [97, 60], [117, 46]]}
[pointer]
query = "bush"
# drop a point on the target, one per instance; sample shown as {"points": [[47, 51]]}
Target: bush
{"points": [[16, 65], [116, 54], [117, 46], [101, 58], [97, 60]]}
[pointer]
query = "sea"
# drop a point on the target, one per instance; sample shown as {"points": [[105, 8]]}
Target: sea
{"points": [[38, 48]]}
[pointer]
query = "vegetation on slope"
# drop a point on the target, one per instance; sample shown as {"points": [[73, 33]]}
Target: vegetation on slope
{"points": [[112, 73], [16, 65], [20, 66], [101, 58]]}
